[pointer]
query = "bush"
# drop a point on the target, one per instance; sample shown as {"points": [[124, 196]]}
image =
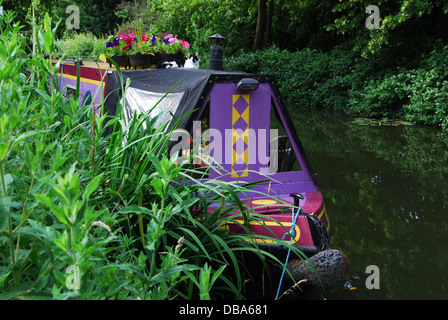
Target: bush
{"points": [[82, 45], [380, 98], [417, 94], [306, 78], [428, 99]]}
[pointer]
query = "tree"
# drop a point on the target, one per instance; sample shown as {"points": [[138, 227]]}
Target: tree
{"points": [[261, 23], [268, 35], [96, 16], [263, 33], [400, 22]]}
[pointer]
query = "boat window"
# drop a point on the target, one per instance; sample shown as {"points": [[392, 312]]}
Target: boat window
{"points": [[282, 155], [69, 93], [199, 159], [87, 99]]}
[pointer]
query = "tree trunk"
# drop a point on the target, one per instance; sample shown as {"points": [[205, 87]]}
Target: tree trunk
{"points": [[261, 22], [268, 34]]}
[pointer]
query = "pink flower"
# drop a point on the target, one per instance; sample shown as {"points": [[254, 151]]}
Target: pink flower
{"points": [[127, 36], [173, 40], [185, 44]]}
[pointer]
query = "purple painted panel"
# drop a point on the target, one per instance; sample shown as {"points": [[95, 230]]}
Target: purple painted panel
{"points": [[282, 189], [242, 122], [96, 91], [228, 113]]}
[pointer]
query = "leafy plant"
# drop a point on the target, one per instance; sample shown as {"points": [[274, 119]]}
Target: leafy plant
{"points": [[170, 44], [81, 45]]}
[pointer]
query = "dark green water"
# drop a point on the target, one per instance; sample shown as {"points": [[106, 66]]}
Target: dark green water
{"points": [[386, 193]]}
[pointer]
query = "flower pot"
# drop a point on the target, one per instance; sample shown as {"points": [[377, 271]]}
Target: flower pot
{"points": [[122, 61], [162, 57], [139, 60]]}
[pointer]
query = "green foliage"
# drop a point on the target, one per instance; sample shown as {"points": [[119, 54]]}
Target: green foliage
{"points": [[96, 16], [195, 20], [82, 45], [416, 94], [400, 22], [307, 78], [295, 25], [340, 80]]}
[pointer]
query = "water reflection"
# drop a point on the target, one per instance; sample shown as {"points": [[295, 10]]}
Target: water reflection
{"points": [[386, 194]]}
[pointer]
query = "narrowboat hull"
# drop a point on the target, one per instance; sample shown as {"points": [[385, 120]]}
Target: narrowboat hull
{"points": [[311, 228]]}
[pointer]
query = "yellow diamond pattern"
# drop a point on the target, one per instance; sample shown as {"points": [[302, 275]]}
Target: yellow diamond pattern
{"points": [[244, 115], [236, 136]]}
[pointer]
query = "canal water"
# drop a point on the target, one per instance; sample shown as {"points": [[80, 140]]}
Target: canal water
{"points": [[386, 193]]}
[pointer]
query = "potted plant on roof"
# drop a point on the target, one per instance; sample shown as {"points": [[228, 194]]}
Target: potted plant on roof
{"points": [[142, 52], [117, 49], [170, 48]]}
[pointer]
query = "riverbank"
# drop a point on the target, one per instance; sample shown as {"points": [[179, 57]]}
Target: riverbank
{"points": [[340, 80]]}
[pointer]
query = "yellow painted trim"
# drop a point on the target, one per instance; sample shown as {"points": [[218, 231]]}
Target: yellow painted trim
{"points": [[245, 116], [264, 202], [234, 98], [235, 116], [321, 213], [244, 174], [246, 97], [244, 134], [236, 136], [82, 79], [324, 212], [85, 80], [270, 223]]}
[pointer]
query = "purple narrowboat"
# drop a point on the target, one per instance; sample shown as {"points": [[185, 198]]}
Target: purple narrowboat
{"points": [[249, 134]]}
